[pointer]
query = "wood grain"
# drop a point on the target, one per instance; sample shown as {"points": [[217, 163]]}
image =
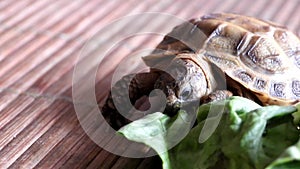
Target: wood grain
{"points": [[40, 41]]}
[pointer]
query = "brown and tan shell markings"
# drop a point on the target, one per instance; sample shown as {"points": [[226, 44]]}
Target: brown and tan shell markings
{"points": [[260, 55], [265, 56]]}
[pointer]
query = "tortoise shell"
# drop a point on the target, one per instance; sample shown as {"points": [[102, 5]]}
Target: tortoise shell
{"points": [[261, 56]]}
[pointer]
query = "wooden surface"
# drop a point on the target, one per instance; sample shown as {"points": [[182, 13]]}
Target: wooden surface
{"points": [[40, 41]]}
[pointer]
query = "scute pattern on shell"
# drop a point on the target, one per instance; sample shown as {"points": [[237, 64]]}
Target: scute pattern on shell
{"points": [[296, 88], [262, 56], [266, 55]]}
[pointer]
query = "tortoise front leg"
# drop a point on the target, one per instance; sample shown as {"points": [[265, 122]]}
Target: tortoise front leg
{"points": [[124, 94]]}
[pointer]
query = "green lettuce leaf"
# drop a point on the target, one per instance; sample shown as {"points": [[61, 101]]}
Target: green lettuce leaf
{"points": [[290, 158], [160, 132], [234, 133]]}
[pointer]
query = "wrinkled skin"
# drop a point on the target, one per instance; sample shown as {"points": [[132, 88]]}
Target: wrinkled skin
{"points": [[183, 82]]}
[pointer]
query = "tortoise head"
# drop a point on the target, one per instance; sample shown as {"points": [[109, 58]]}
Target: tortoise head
{"points": [[183, 82]]}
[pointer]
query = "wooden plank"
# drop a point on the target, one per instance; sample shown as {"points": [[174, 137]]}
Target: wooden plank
{"points": [[55, 142], [25, 13], [81, 154], [12, 104], [9, 8], [39, 45], [28, 148], [104, 160], [13, 133]]}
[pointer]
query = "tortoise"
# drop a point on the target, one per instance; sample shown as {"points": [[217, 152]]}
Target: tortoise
{"points": [[254, 58]]}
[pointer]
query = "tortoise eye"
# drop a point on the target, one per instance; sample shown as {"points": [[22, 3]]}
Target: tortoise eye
{"points": [[185, 93]]}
